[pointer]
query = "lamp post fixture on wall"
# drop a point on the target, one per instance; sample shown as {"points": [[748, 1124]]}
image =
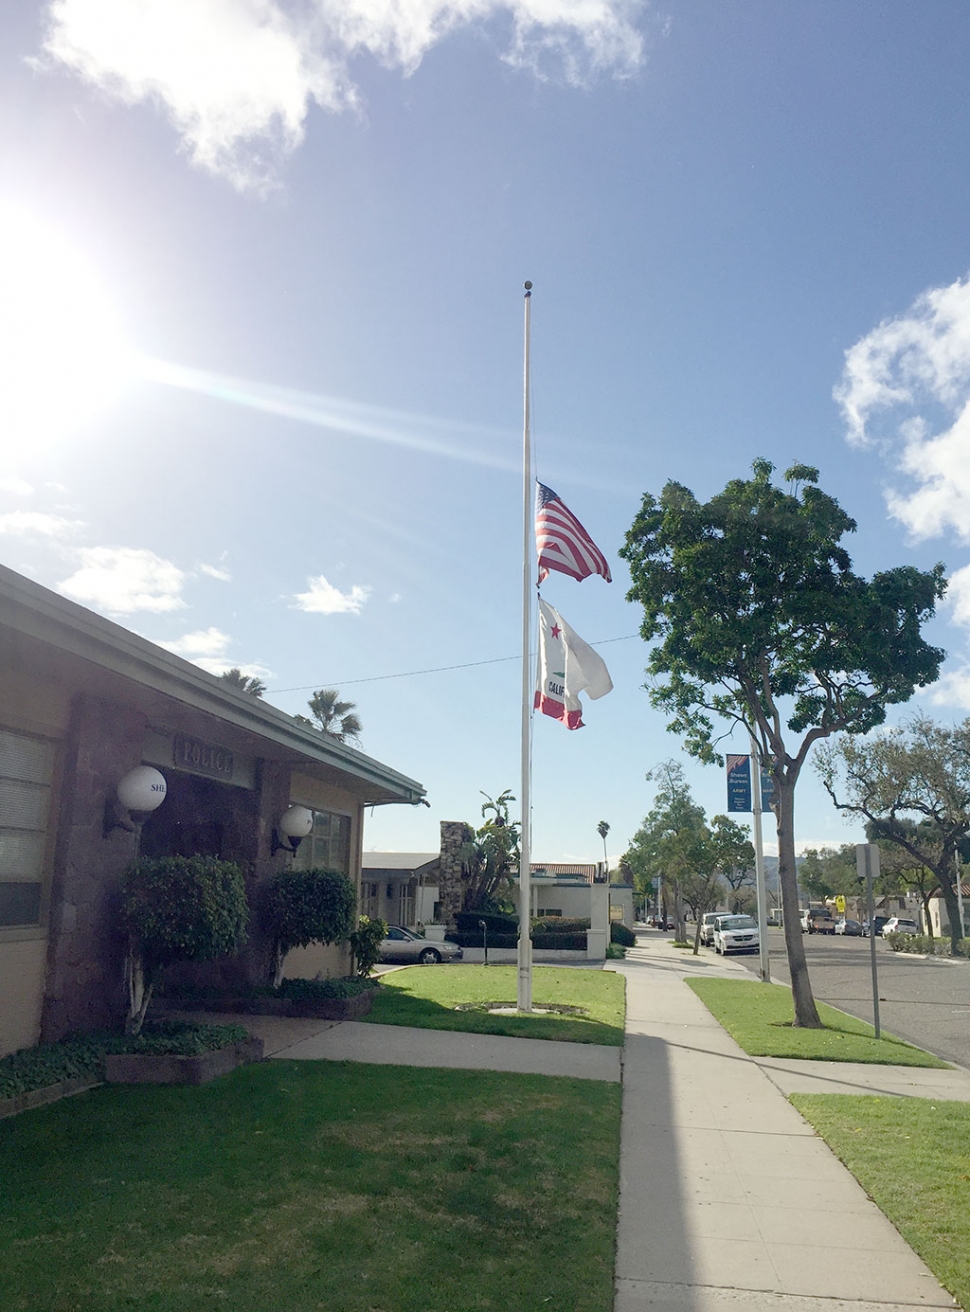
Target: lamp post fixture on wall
{"points": [[140, 792], [295, 824]]}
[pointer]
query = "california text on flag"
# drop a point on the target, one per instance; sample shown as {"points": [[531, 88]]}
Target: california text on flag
{"points": [[567, 666]]}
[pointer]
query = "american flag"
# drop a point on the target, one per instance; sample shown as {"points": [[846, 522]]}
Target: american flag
{"points": [[561, 541]]}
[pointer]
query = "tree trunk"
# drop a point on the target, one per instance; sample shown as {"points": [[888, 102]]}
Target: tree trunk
{"points": [[949, 891], [806, 1013], [139, 994]]}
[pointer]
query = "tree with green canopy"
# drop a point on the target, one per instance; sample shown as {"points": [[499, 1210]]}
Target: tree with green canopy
{"points": [[758, 620], [674, 845], [243, 682], [733, 858], [912, 785], [490, 859], [334, 717], [603, 828]]}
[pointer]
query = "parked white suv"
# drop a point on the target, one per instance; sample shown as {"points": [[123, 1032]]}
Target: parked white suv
{"points": [[736, 934], [899, 925]]}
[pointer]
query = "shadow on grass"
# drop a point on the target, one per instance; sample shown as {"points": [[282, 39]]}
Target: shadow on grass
{"points": [[395, 1007]]}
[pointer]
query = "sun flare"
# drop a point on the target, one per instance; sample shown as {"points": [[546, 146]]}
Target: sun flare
{"points": [[62, 358]]}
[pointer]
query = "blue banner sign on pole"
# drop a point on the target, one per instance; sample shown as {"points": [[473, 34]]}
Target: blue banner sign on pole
{"points": [[739, 783], [767, 788]]}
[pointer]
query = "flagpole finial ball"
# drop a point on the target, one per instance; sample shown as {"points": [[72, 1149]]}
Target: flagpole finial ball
{"points": [[528, 286]]}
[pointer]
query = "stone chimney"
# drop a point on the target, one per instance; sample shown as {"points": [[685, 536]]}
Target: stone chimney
{"points": [[454, 835]]}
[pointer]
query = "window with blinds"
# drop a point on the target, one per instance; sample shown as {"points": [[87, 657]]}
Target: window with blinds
{"points": [[327, 847], [26, 771]]}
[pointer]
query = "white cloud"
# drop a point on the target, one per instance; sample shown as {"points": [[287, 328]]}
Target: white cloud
{"points": [[18, 486], [21, 523], [204, 642], [237, 77], [214, 572], [952, 688], [125, 579], [906, 389], [324, 599], [207, 648]]}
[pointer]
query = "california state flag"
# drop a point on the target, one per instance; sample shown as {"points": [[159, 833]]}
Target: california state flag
{"points": [[567, 667]]}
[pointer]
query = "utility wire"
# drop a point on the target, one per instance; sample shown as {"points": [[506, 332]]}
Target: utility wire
{"points": [[437, 669]]}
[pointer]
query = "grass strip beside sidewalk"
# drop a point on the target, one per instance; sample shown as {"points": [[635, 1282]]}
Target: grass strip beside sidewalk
{"points": [[912, 1156], [427, 997], [303, 1185], [758, 1017]]}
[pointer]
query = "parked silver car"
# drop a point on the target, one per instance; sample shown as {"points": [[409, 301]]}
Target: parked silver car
{"points": [[736, 934], [402, 945]]}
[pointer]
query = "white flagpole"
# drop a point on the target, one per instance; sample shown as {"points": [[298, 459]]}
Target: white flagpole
{"points": [[524, 995]]}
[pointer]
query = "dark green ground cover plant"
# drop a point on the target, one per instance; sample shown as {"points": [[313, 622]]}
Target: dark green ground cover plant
{"points": [[912, 1157], [426, 996], [306, 1185], [759, 1018], [324, 989], [81, 1057]]}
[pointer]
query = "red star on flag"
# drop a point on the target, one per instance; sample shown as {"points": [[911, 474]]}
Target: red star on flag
{"points": [[556, 630]]}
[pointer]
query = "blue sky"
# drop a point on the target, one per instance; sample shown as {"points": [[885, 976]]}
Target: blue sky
{"points": [[261, 327]]}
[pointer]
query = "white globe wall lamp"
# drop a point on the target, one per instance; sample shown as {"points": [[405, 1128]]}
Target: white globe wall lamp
{"points": [[295, 824], [140, 792]]}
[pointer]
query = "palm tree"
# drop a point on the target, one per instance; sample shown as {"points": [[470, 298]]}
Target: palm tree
{"points": [[333, 716], [243, 682], [603, 829]]}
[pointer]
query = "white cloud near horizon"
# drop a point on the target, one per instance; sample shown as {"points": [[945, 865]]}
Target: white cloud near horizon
{"points": [[24, 523], [121, 580], [323, 598], [905, 389], [237, 78], [208, 649]]}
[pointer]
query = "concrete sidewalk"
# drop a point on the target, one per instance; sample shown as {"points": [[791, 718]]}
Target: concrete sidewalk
{"points": [[727, 1197]]}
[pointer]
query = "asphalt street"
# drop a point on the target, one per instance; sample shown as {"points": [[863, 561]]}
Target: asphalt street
{"points": [[922, 1000]]}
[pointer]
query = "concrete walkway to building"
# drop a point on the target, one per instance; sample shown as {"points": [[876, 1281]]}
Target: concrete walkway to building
{"points": [[728, 1199]]}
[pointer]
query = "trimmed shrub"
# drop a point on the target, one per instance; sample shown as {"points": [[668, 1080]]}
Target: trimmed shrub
{"points": [[178, 908], [559, 925], [300, 907], [619, 933], [922, 943], [366, 943], [466, 922]]}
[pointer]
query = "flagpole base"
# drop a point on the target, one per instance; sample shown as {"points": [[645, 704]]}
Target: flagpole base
{"points": [[524, 993]]}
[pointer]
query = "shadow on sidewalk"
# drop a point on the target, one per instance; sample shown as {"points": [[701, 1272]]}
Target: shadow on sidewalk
{"points": [[653, 1240]]}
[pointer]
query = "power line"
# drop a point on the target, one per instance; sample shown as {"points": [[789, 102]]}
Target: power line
{"points": [[437, 669]]}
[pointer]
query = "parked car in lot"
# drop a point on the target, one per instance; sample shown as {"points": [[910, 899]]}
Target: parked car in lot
{"points": [[707, 928], [402, 945], [849, 928], [736, 934], [821, 921], [899, 925], [878, 922]]}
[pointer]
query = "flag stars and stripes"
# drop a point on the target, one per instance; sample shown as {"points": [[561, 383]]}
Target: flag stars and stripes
{"points": [[562, 543]]}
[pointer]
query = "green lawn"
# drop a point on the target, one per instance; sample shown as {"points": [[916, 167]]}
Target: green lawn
{"points": [[758, 1016], [912, 1156], [305, 1185], [426, 996]]}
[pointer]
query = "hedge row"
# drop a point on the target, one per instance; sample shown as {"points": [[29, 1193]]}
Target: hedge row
{"points": [[620, 934], [550, 942], [923, 944]]}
